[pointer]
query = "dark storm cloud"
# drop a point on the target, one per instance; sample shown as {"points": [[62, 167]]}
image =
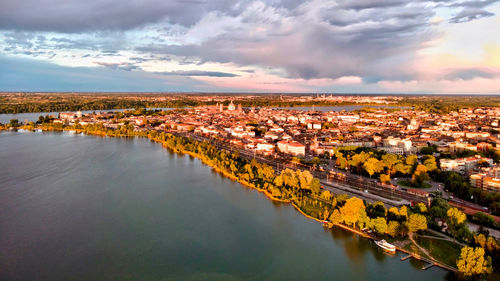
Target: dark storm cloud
{"points": [[90, 15], [198, 73], [315, 48], [75, 16], [373, 39]]}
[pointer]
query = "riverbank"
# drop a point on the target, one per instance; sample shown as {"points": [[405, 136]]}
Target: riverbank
{"points": [[204, 160]]}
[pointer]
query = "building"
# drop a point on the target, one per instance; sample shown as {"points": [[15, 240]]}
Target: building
{"points": [[292, 147], [463, 166], [397, 145]]}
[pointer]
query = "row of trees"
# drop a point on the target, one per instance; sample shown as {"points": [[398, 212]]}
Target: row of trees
{"points": [[386, 166]]}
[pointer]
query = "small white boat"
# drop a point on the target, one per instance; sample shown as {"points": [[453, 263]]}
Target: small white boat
{"points": [[386, 246]]}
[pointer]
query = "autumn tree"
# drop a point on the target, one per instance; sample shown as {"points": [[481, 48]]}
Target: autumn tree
{"points": [[335, 217], [473, 264], [351, 210], [456, 216], [430, 163], [392, 228], [416, 222], [421, 207], [379, 225], [420, 175], [391, 161], [373, 166], [385, 178]]}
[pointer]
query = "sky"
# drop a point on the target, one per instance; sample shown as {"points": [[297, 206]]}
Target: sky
{"points": [[318, 46]]}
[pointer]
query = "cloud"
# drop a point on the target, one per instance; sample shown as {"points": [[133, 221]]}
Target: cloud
{"points": [[306, 44], [198, 73], [119, 65], [469, 14], [471, 73], [33, 75], [373, 40], [73, 16]]}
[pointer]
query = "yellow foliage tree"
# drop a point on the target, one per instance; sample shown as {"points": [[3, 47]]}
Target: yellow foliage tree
{"points": [[351, 210], [394, 210], [421, 206], [403, 211], [335, 217], [416, 222], [379, 225], [456, 216], [472, 262], [392, 228]]}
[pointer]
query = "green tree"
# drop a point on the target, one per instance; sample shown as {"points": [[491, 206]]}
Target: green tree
{"points": [[14, 123], [420, 175]]}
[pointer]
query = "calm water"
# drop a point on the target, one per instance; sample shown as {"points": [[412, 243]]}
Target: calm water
{"points": [[22, 117], [75, 207]]}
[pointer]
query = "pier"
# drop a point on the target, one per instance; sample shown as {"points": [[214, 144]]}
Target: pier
{"points": [[406, 257]]}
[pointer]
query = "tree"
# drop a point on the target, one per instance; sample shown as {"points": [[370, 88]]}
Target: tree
{"points": [[373, 165], [416, 222], [375, 210], [335, 217], [390, 161], [315, 186], [455, 216], [403, 211], [392, 228], [421, 207], [385, 178], [14, 123], [420, 175], [363, 220], [411, 160], [473, 264], [430, 163], [379, 225], [315, 161], [351, 210]]}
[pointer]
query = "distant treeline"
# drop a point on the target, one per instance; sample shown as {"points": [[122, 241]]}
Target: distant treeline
{"points": [[73, 102]]}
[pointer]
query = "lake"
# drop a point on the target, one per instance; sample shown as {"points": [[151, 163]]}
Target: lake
{"points": [[33, 116], [76, 207]]}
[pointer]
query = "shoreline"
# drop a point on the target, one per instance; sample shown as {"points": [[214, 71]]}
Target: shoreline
{"points": [[244, 183]]}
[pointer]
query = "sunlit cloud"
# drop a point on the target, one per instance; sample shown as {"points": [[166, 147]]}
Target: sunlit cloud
{"points": [[273, 45]]}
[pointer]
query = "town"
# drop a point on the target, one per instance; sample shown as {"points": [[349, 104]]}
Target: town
{"points": [[385, 154]]}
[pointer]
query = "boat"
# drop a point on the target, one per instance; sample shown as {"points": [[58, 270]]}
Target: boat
{"points": [[386, 246]]}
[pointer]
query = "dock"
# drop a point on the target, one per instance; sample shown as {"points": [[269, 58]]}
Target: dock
{"points": [[428, 266], [406, 257]]}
